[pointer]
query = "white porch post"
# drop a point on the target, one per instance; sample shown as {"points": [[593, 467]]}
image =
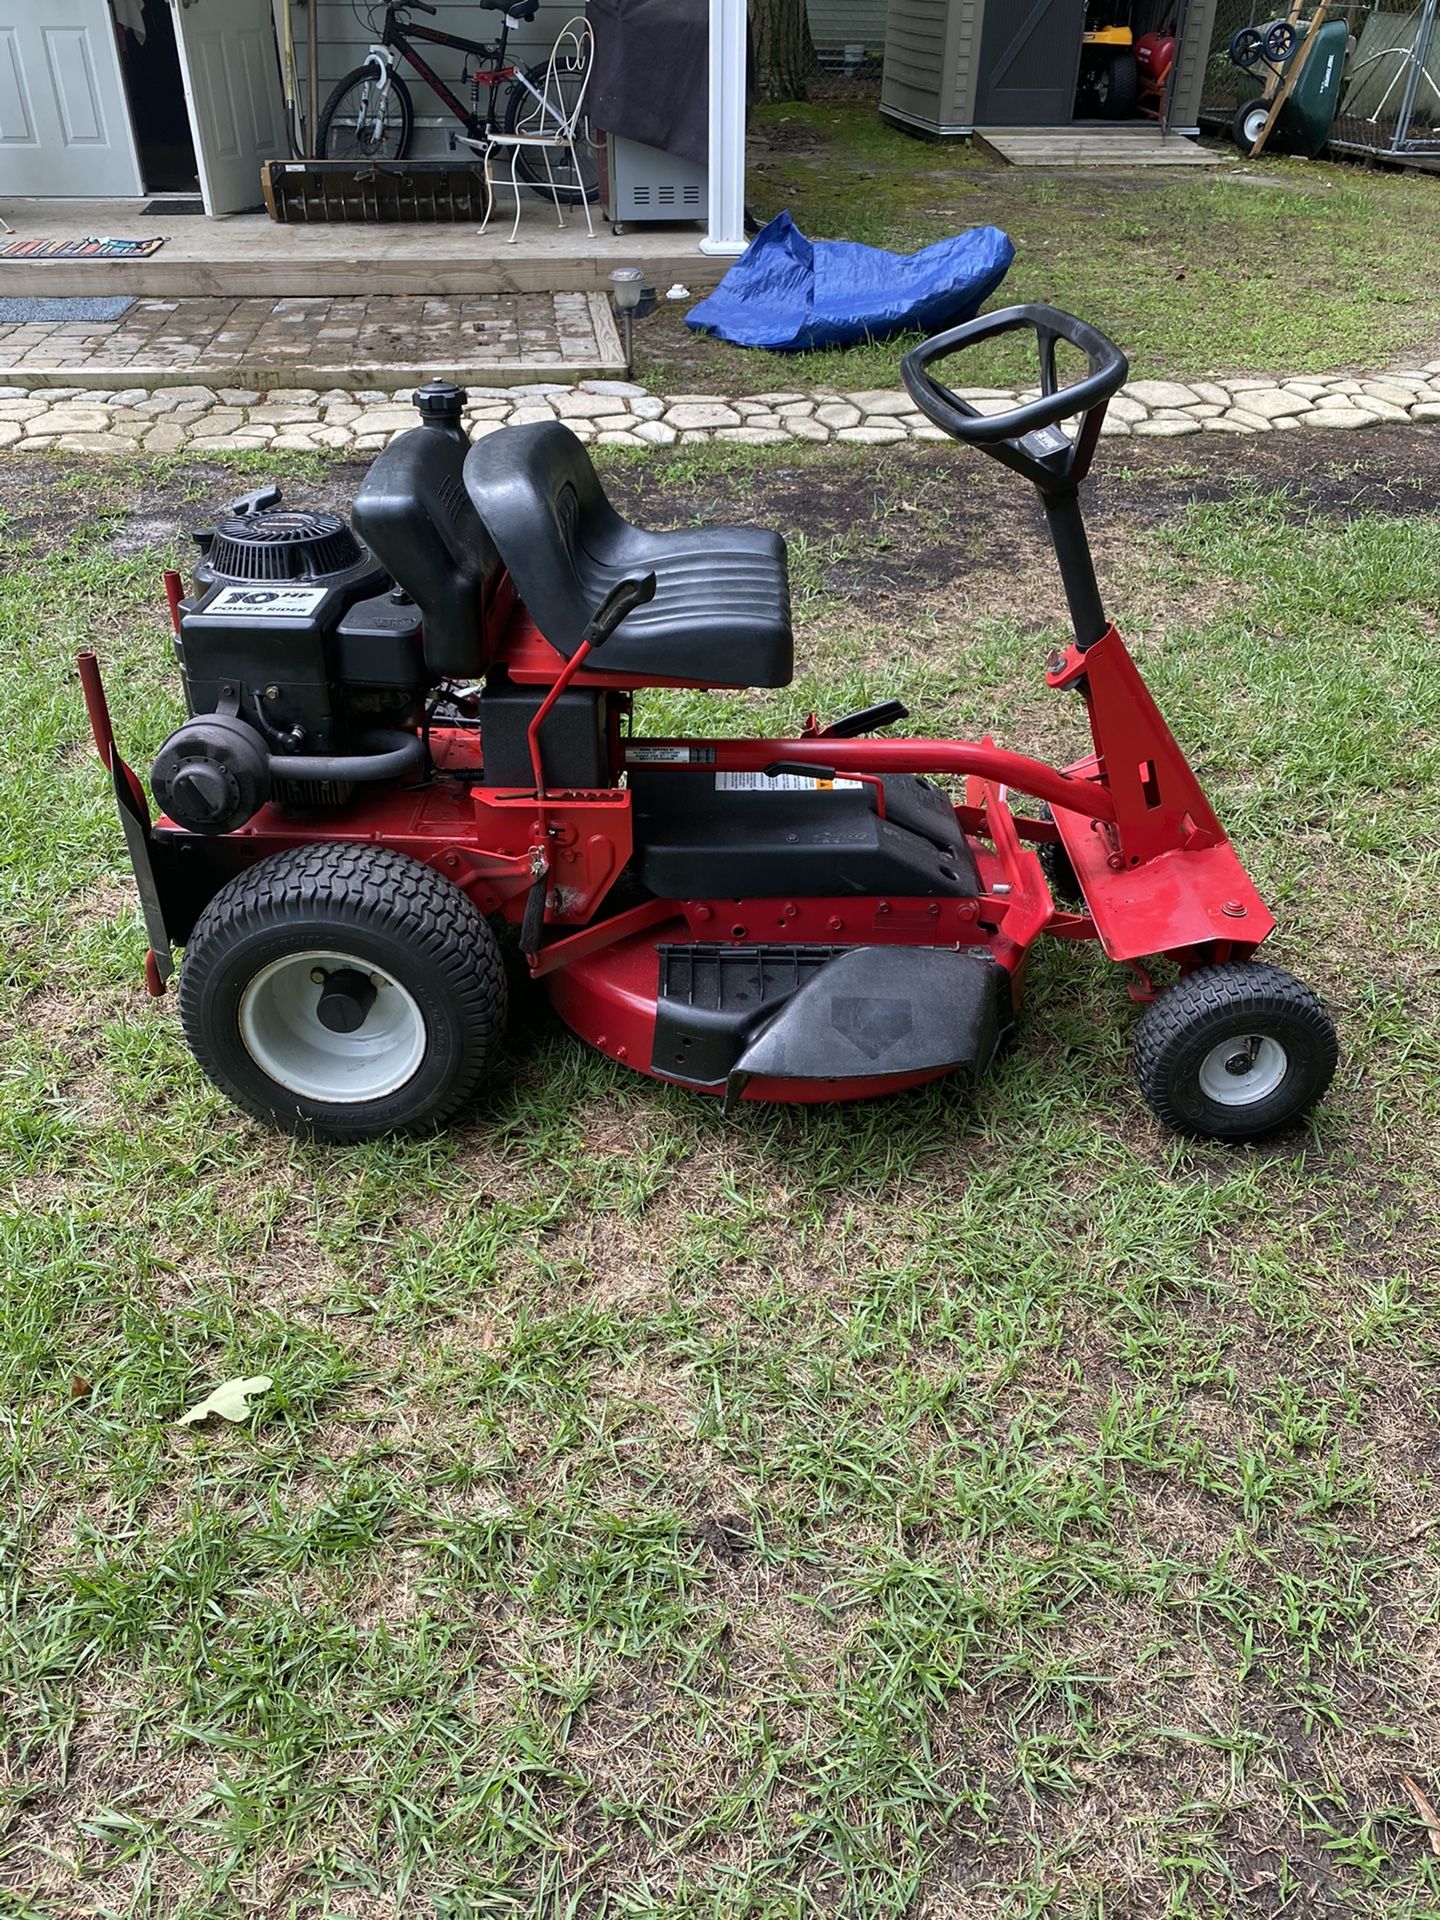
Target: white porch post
{"points": [[727, 128]]}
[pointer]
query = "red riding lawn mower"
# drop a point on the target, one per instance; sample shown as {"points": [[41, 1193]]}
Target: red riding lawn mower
{"points": [[401, 732]]}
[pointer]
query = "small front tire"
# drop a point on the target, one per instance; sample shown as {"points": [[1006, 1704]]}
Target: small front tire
{"points": [[343, 992], [1235, 1052], [1058, 868]]}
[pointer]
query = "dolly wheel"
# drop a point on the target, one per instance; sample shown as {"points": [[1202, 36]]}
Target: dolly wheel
{"points": [[343, 992], [1234, 1052], [1249, 123]]}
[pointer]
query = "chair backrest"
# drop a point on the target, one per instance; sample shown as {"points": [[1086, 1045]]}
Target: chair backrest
{"points": [[572, 54]]}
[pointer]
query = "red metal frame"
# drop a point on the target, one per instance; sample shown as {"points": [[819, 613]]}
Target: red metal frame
{"points": [[1159, 875]]}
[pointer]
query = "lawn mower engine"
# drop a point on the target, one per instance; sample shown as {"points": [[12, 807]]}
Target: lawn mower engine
{"points": [[303, 670]]}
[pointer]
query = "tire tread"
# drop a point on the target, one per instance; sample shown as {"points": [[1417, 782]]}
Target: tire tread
{"points": [[1223, 989], [396, 895]]}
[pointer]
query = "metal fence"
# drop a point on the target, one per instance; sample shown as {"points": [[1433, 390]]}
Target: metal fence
{"points": [[1390, 101], [847, 41]]}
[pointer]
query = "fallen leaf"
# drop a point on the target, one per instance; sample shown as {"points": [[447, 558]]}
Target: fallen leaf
{"points": [[79, 1387], [230, 1400], [1425, 1810]]}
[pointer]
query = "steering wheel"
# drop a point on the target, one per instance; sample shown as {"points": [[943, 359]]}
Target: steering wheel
{"points": [[1027, 437]]}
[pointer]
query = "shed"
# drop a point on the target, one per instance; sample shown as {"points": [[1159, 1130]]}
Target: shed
{"points": [[955, 66]]}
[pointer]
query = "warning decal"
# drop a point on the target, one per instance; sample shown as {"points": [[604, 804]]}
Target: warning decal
{"points": [[668, 756], [781, 783]]}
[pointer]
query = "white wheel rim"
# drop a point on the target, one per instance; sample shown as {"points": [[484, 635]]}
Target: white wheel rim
{"points": [[1255, 125], [1243, 1070], [281, 1030]]}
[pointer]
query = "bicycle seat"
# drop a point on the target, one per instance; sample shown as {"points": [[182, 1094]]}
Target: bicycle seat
{"points": [[517, 9], [721, 612]]}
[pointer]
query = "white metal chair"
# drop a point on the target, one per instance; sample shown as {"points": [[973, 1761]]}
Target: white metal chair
{"points": [[548, 125]]}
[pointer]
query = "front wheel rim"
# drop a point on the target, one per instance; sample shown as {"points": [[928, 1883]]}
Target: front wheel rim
{"points": [[281, 1030], [1243, 1070]]}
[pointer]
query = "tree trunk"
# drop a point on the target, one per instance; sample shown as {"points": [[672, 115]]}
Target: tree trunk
{"points": [[784, 52]]}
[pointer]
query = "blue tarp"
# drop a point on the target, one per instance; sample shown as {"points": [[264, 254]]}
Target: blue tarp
{"points": [[787, 291]]}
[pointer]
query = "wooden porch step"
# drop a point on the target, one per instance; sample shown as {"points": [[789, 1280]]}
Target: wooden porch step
{"points": [[249, 255], [1119, 146]]}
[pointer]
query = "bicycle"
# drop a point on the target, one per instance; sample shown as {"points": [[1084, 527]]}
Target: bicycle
{"points": [[370, 115]]}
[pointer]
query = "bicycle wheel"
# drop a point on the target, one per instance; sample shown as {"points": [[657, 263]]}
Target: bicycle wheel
{"points": [[357, 124], [524, 113]]}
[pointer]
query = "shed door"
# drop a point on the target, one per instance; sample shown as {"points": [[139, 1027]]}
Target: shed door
{"points": [[64, 119], [1029, 63], [232, 84]]}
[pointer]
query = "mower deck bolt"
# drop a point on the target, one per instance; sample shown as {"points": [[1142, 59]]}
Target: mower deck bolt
{"points": [[272, 693], [1233, 909]]}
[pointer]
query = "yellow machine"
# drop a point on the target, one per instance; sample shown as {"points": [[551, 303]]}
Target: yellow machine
{"points": [[1109, 79]]}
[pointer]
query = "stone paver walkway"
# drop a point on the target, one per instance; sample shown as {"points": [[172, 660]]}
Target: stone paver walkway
{"points": [[391, 341], [204, 419]]}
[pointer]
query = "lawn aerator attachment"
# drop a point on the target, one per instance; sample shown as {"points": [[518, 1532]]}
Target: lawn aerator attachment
{"points": [[407, 728]]}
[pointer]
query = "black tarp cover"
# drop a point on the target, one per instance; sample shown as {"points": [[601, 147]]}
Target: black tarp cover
{"points": [[651, 78]]}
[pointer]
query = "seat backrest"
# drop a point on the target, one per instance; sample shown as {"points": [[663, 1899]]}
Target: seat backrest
{"points": [[567, 81], [542, 504], [414, 514]]}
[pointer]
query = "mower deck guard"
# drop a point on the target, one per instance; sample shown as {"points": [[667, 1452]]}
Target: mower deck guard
{"points": [[728, 1015]]}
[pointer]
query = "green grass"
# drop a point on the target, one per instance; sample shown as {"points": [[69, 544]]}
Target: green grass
{"points": [[1283, 266], [960, 1505]]}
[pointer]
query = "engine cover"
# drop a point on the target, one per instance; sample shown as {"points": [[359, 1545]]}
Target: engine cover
{"points": [[293, 627]]}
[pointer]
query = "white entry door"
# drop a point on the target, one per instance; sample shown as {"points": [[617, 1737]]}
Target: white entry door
{"points": [[232, 85], [64, 121]]}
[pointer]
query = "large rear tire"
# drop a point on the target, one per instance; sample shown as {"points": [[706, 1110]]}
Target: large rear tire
{"points": [[1235, 1052], [350, 128], [343, 992], [1117, 86]]}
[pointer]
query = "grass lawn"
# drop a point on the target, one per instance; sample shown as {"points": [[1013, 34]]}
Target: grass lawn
{"points": [[955, 1506], [1280, 266]]}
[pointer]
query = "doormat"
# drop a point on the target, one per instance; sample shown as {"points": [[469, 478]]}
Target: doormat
{"points": [[17, 312], [175, 203], [90, 249]]}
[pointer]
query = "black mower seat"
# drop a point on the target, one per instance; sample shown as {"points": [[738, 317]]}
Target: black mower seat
{"points": [[721, 612]]}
